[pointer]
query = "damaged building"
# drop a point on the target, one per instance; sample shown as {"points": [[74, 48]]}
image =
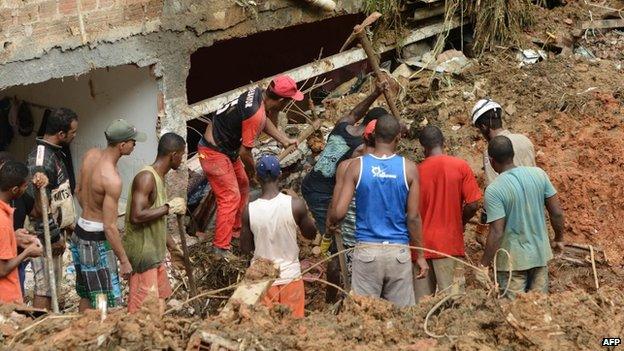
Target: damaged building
{"points": [[162, 64]]}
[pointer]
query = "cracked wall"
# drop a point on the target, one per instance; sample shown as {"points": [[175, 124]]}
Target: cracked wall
{"points": [[46, 39]]}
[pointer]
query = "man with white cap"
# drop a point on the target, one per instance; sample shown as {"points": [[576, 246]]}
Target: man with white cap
{"points": [[487, 116]]}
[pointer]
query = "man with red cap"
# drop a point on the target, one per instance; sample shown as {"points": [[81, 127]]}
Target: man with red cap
{"points": [[225, 150]]}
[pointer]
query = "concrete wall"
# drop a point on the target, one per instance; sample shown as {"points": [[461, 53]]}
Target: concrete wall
{"points": [[158, 33], [98, 98]]}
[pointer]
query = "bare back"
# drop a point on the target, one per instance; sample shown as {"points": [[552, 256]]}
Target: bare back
{"points": [[98, 179]]}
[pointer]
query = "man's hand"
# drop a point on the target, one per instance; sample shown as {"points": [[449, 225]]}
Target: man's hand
{"points": [[290, 192], [58, 248], [35, 249], [557, 246], [288, 141], [387, 83], [483, 276], [125, 269], [40, 180], [24, 238], [422, 266], [177, 205]]}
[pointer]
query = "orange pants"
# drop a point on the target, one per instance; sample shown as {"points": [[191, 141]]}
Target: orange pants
{"points": [[141, 284], [291, 295]]}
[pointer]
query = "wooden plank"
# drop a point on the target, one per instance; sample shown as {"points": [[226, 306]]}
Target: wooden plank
{"points": [[427, 12], [603, 24], [318, 67], [248, 294]]}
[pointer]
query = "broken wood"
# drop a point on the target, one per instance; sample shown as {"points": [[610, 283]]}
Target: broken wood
{"points": [[187, 260], [319, 67], [427, 12], [342, 260], [302, 137], [31, 312], [218, 343], [43, 198], [248, 293], [602, 24], [359, 32]]}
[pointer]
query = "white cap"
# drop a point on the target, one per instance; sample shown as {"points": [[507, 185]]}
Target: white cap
{"points": [[481, 107]]}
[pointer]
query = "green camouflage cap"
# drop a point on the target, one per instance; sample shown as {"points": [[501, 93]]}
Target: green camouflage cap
{"points": [[120, 130]]}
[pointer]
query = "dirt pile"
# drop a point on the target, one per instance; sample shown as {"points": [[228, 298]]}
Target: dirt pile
{"points": [[571, 108], [572, 320], [143, 330]]}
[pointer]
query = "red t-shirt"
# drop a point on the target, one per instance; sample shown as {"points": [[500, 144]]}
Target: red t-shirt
{"points": [[446, 184], [10, 291]]}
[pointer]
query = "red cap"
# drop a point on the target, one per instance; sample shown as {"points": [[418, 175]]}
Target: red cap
{"points": [[286, 87], [370, 129]]}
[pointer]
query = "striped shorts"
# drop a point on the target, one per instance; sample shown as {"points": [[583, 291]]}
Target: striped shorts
{"points": [[96, 267]]}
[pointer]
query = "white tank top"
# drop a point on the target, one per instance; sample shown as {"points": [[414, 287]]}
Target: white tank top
{"points": [[275, 235]]}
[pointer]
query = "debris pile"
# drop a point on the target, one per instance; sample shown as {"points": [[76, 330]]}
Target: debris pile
{"points": [[476, 321], [569, 101]]}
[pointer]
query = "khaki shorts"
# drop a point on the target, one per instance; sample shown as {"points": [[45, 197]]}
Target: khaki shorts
{"points": [[40, 271], [383, 271]]}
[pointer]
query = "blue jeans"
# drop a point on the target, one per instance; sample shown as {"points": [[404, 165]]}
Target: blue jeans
{"points": [[318, 203]]}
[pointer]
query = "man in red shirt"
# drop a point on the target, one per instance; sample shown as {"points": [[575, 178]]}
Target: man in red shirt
{"points": [[226, 147], [449, 196], [13, 183]]}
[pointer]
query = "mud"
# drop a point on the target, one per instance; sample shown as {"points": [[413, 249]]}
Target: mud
{"points": [[476, 321], [570, 106]]}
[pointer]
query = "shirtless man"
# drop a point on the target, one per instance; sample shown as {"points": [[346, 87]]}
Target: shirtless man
{"points": [[96, 240]]}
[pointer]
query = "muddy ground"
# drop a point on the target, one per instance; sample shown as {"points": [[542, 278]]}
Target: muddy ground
{"points": [[571, 106]]}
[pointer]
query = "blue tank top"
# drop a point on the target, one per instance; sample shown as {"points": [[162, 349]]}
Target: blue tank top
{"points": [[381, 200]]}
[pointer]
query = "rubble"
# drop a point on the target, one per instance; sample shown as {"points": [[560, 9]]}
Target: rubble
{"points": [[571, 107]]}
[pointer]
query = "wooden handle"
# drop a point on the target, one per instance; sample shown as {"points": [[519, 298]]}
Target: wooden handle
{"points": [[372, 59], [316, 124], [187, 260], [43, 197], [342, 260]]}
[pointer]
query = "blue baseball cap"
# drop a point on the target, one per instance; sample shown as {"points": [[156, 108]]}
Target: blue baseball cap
{"points": [[268, 166]]}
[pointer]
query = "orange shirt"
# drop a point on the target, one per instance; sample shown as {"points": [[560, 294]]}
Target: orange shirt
{"points": [[10, 291], [446, 184]]}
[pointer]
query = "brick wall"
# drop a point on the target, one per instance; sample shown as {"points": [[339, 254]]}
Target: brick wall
{"points": [[57, 22]]}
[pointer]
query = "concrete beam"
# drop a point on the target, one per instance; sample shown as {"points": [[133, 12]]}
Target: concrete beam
{"points": [[428, 12], [318, 67]]}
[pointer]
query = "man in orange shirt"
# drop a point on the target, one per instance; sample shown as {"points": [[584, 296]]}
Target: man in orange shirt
{"points": [[449, 196], [13, 183]]}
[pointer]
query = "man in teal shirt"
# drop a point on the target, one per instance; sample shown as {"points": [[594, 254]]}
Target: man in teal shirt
{"points": [[514, 203]]}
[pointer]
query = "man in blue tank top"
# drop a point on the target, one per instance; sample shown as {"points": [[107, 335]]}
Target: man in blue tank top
{"points": [[387, 218]]}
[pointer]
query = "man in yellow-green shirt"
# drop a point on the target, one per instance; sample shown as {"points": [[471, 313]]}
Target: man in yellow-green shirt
{"points": [[146, 238]]}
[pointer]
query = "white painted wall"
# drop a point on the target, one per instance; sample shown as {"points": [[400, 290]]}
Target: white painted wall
{"points": [[125, 92]]}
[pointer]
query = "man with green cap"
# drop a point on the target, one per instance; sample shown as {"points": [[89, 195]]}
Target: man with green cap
{"points": [[96, 240]]}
